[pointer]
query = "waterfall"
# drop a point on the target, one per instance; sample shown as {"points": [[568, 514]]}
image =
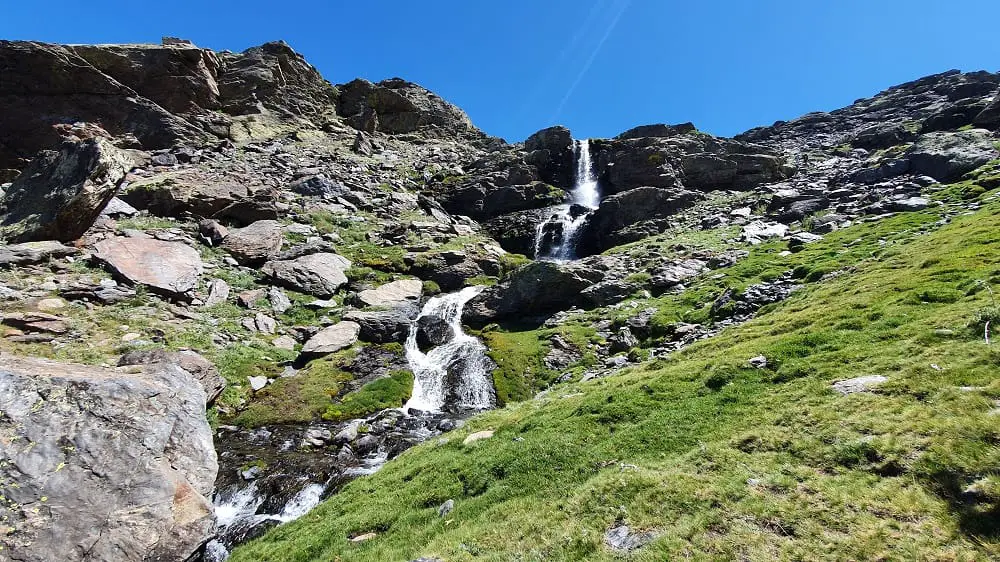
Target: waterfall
{"points": [[456, 373], [556, 237]]}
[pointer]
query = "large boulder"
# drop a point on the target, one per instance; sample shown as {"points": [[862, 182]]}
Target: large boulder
{"points": [[60, 194], [398, 106], [538, 288], [947, 156], [168, 268], [319, 274], [256, 243], [200, 368], [104, 464], [177, 193], [990, 116]]}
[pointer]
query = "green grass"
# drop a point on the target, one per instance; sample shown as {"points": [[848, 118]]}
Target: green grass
{"points": [[727, 462], [390, 392], [301, 398]]}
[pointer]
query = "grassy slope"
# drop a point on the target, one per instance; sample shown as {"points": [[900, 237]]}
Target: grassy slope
{"points": [[771, 464]]}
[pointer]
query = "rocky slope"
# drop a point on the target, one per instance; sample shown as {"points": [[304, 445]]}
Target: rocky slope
{"points": [[236, 219]]}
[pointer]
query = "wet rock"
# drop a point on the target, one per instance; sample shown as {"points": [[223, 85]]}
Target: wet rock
{"points": [[256, 243], [197, 366], [168, 268], [332, 339], [320, 275], [432, 331], [30, 253], [551, 151], [858, 384], [60, 194], [391, 294], [151, 507]]}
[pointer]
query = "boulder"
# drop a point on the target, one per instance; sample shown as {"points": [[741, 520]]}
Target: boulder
{"points": [[536, 289], [60, 194], [318, 185], [114, 464], [179, 193], [396, 106], [256, 243], [947, 156], [385, 326], [169, 268], [200, 368], [320, 275], [757, 232], [432, 331], [391, 294], [332, 338]]}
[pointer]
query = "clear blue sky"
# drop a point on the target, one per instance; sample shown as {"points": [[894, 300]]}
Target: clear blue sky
{"points": [[596, 66]]}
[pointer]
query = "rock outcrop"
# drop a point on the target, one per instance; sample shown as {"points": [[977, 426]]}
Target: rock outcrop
{"points": [[396, 106], [102, 464], [61, 193]]}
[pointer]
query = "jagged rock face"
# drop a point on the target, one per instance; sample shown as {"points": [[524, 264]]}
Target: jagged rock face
{"points": [[657, 130], [538, 288], [174, 194], [551, 152], [275, 77], [46, 87], [928, 104], [61, 193], [401, 107], [104, 464], [692, 160]]}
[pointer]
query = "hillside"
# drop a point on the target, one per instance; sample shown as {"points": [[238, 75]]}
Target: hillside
{"points": [[412, 341]]}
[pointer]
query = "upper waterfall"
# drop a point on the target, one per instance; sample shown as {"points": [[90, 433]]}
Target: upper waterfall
{"points": [[556, 237]]}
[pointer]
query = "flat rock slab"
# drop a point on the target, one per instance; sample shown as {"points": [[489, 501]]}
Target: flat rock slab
{"points": [[332, 338], [392, 294], [623, 540], [112, 464], [170, 268], [858, 384], [320, 275], [28, 253], [477, 436]]}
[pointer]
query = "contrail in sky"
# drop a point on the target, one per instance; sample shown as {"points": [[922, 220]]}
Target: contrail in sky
{"points": [[567, 49], [590, 60]]}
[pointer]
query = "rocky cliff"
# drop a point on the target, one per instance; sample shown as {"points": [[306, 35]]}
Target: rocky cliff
{"points": [[244, 226]]}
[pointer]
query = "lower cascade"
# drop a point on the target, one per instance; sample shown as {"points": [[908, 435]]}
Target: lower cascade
{"points": [[556, 237], [456, 373], [269, 476]]}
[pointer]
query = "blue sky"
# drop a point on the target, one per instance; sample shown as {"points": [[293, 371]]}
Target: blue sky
{"points": [[596, 66]]}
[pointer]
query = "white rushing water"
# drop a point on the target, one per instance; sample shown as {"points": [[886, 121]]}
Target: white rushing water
{"points": [[461, 361], [556, 237]]}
